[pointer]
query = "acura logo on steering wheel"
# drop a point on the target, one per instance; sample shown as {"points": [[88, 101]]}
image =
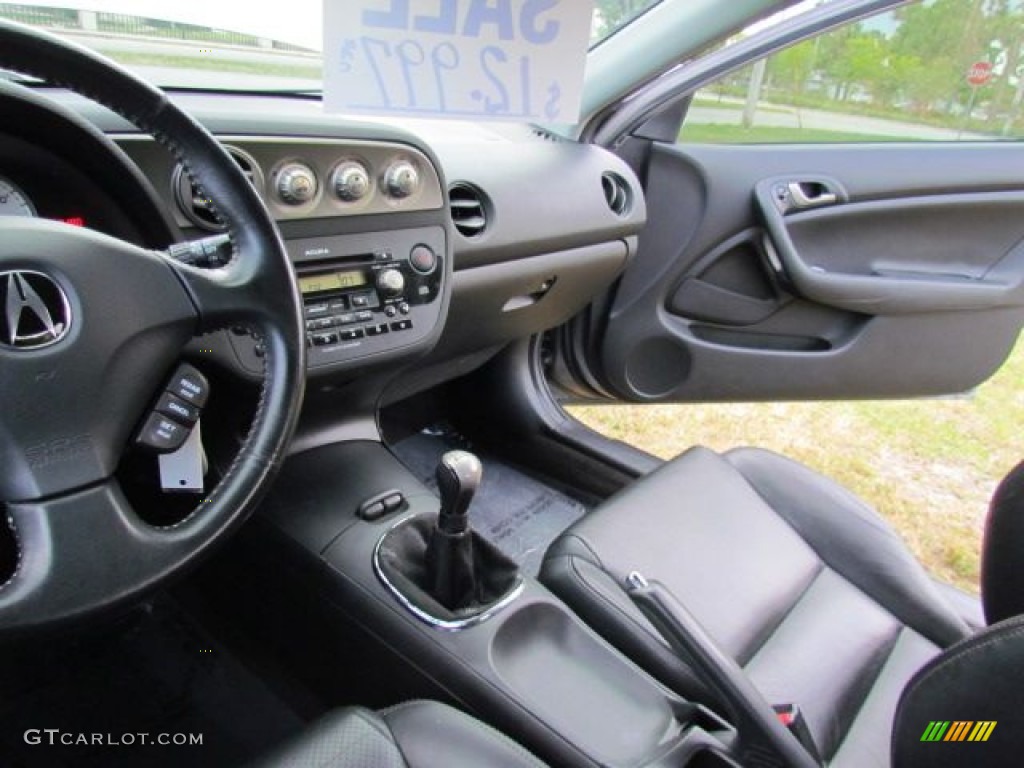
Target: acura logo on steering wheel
{"points": [[34, 311]]}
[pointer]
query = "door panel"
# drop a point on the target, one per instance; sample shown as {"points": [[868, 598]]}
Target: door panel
{"points": [[830, 271]]}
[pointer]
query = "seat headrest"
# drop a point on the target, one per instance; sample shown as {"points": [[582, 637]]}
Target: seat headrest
{"points": [[964, 707], [1002, 567]]}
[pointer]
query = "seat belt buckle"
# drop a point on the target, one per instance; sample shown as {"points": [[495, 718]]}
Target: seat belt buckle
{"points": [[791, 717]]}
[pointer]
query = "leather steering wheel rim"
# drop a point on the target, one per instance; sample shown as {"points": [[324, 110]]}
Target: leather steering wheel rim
{"points": [[82, 549]]}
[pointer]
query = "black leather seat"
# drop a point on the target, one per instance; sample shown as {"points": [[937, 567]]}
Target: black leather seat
{"points": [[418, 734], [801, 583]]}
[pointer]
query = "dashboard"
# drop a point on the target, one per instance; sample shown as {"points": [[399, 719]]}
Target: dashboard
{"points": [[413, 242]]}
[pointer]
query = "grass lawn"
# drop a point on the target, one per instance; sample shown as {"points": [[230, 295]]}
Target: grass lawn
{"points": [[138, 58], [929, 466], [720, 133]]}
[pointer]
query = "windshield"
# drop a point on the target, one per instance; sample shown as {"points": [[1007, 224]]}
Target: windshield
{"points": [[225, 44]]}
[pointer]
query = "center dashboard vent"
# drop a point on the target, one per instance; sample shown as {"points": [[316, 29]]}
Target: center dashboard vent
{"points": [[469, 209], [197, 208]]}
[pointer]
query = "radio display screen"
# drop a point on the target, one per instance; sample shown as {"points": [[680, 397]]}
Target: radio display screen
{"points": [[332, 281]]}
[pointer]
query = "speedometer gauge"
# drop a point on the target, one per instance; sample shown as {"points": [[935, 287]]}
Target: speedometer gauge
{"points": [[14, 202]]}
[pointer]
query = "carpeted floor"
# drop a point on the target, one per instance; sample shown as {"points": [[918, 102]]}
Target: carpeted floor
{"points": [[154, 673]]}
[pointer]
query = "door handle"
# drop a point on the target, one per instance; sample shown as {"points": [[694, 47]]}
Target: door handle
{"points": [[810, 194], [874, 291], [795, 194]]}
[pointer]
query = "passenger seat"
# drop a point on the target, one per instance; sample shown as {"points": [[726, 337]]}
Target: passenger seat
{"points": [[807, 588]]}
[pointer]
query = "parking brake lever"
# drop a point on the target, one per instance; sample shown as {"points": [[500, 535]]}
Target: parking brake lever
{"points": [[762, 737]]}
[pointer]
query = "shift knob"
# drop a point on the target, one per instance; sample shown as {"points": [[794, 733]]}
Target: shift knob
{"points": [[458, 477]]}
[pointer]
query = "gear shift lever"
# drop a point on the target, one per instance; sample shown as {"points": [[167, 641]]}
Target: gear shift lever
{"points": [[438, 565], [450, 561], [458, 478]]}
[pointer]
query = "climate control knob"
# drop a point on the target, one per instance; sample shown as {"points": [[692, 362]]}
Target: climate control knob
{"points": [[350, 181], [296, 184], [390, 282], [402, 180]]}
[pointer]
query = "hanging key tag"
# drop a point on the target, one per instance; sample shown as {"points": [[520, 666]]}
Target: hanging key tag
{"points": [[183, 470]]}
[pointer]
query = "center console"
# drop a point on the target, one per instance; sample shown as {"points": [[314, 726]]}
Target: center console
{"points": [[523, 662]]}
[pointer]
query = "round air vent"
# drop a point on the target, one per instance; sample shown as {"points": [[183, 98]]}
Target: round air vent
{"points": [[616, 193], [197, 208], [469, 209]]}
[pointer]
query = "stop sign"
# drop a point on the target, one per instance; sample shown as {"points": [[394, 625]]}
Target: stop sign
{"points": [[979, 73]]}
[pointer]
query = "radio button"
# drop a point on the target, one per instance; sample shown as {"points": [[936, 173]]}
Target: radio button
{"points": [[352, 334], [390, 282], [390, 311], [316, 310], [323, 339], [320, 323], [338, 305], [403, 308], [401, 325], [376, 330], [347, 319], [364, 317], [423, 259], [360, 300]]}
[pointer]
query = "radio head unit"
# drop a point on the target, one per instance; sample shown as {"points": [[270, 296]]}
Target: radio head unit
{"points": [[367, 295]]}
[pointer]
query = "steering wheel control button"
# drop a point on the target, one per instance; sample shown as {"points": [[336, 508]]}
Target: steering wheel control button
{"points": [[296, 184], [175, 408], [423, 259], [162, 434], [190, 385]]}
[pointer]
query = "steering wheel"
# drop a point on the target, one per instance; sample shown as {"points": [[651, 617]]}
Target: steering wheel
{"points": [[71, 405]]}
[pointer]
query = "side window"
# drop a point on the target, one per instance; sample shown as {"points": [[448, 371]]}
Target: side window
{"points": [[938, 70]]}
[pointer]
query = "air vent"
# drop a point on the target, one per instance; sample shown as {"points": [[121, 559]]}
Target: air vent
{"points": [[542, 133], [469, 210], [616, 193], [196, 207]]}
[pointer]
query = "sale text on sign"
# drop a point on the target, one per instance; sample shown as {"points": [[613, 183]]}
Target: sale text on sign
{"points": [[518, 60]]}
